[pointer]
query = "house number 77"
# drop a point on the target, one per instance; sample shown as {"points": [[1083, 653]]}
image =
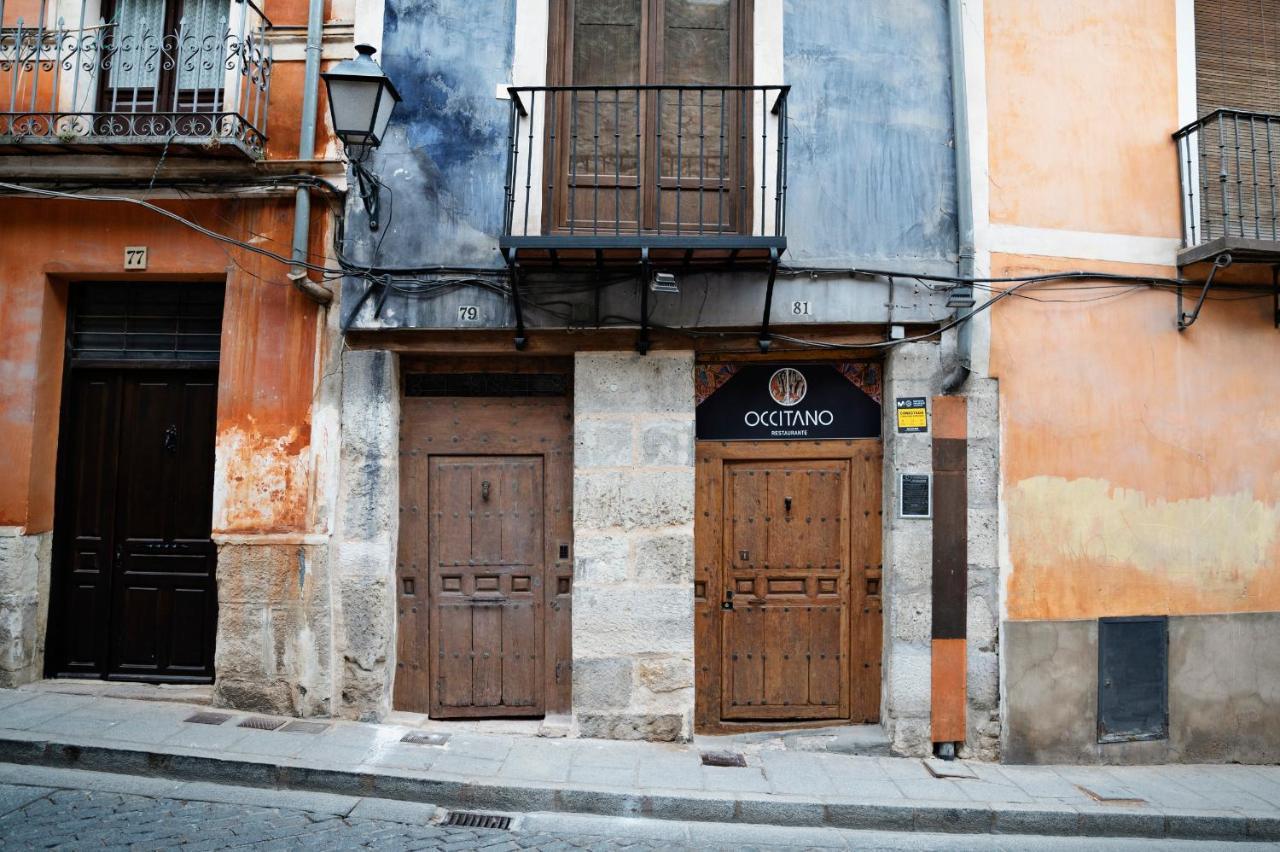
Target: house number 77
{"points": [[135, 257]]}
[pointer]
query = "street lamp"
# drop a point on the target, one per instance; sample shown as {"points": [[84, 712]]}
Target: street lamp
{"points": [[361, 99]]}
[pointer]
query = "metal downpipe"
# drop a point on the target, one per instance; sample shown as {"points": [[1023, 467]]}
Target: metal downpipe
{"points": [[307, 151], [958, 374]]}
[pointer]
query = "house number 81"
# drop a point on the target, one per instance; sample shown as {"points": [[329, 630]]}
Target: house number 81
{"points": [[800, 309]]}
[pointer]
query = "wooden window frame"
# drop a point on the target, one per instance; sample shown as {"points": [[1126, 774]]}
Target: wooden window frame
{"points": [[560, 73]]}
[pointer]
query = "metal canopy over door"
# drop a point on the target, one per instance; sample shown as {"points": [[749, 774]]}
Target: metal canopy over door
{"points": [[485, 569], [133, 575]]}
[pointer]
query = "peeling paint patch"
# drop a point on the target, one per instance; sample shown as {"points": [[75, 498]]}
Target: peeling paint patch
{"points": [[261, 482], [1082, 548]]}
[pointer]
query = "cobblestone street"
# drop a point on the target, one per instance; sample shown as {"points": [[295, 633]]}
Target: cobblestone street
{"points": [[73, 809]]}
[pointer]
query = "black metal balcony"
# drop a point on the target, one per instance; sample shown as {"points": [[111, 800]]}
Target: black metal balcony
{"points": [[1229, 161], [687, 175], [178, 76]]}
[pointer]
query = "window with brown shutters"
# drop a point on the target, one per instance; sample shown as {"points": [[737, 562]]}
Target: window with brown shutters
{"points": [[1238, 55]]}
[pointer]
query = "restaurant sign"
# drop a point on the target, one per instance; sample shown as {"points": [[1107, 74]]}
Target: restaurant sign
{"points": [[788, 402]]}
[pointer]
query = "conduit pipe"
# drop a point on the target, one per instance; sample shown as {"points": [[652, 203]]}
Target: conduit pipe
{"points": [[956, 378], [307, 151]]}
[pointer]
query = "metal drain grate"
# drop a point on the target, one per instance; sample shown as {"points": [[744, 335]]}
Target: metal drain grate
{"points": [[468, 819], [206, 718], [305, 727], [262, 723], [423, 738], [723, 758]]}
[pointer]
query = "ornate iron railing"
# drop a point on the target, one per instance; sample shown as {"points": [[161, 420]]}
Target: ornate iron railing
{"points": [[618, 161], [150, 72], [1228, 162]]}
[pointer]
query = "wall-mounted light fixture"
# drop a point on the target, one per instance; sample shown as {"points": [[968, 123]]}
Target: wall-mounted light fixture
{"points": [[361, 99]]}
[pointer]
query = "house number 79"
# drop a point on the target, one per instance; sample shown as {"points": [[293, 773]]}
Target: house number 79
{"points": [[468, 313]]}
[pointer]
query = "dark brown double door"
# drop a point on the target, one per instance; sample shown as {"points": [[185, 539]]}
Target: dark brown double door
{"points": [[788, 583], [133, 575], [485, 569]]}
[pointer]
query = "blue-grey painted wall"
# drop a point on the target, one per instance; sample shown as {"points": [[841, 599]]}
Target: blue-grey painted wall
{"points": [[871, 163], [871, 170], [447, 147]]}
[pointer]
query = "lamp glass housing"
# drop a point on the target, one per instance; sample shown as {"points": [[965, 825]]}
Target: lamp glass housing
{"points": [[361, 100]]}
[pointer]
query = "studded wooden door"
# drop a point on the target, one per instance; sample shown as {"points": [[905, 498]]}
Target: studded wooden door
{"points": [[788, 583], [485, 568], [486, 575], [786, 619]]}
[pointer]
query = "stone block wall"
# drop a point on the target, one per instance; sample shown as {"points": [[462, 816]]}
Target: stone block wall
{"points": [[913, 369], [633, 539], [982, 739], [364, 543], [24, 604], [273, 652]]}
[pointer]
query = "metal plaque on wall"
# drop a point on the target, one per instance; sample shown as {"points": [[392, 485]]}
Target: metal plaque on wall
{"points": [[788, 402]]}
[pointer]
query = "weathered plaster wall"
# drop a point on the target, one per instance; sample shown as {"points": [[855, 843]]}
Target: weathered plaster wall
{"points": [[1137, 475], [871, 169], [1082, 101], [633, 542], [264, 477]]}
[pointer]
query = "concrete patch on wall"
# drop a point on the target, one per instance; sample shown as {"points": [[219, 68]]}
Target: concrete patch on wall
{"points": [[274, 615], [633, 541], [364, 545], [1069, 538], [1224, 692], [25, 563], [1224, 688]]}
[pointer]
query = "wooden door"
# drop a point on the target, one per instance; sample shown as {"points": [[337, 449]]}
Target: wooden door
{"points": [[135, 597], [788, 583], [786, 573], [486, 576], [485, 568]]}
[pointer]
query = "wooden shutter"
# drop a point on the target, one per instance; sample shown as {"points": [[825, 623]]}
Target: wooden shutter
{"points": [[1238, 55]]}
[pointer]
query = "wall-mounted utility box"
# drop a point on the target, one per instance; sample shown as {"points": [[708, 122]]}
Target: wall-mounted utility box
{"points": [[1133, 679]]}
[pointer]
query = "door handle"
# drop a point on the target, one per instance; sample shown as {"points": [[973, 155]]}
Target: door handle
{"points": [[484, 490], [171, 438]]}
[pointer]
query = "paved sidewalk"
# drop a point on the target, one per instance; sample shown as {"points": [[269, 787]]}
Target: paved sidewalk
{"points": [[525, 774]]}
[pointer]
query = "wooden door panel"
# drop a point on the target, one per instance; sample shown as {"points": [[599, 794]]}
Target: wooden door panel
{"points": [[78, 635], [163, 547], [787, 537], [486, 561]]}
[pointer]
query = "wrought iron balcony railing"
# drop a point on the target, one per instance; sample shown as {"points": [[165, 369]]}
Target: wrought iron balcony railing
{"points": [[180, 75], [1229, 161], [694, 170]]}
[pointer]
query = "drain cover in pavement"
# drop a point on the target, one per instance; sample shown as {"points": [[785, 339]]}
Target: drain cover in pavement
{"points": [[304, 727], [423, 738], [206, 718], [1108, 795], [262, 723], [468, 819], [723, 758]]}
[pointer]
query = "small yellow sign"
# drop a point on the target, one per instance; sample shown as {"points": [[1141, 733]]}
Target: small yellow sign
{"points": [[912, 414]]}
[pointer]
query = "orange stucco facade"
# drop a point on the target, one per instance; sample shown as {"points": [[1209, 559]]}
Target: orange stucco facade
{"points": [[268, 359], [1137, 476]]}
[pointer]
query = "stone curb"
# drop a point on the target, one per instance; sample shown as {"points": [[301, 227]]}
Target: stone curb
{"points": [[686, 807]]}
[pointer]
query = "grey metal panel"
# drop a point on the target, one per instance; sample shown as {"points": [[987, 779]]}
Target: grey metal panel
{"points": [[1133, 678]]}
